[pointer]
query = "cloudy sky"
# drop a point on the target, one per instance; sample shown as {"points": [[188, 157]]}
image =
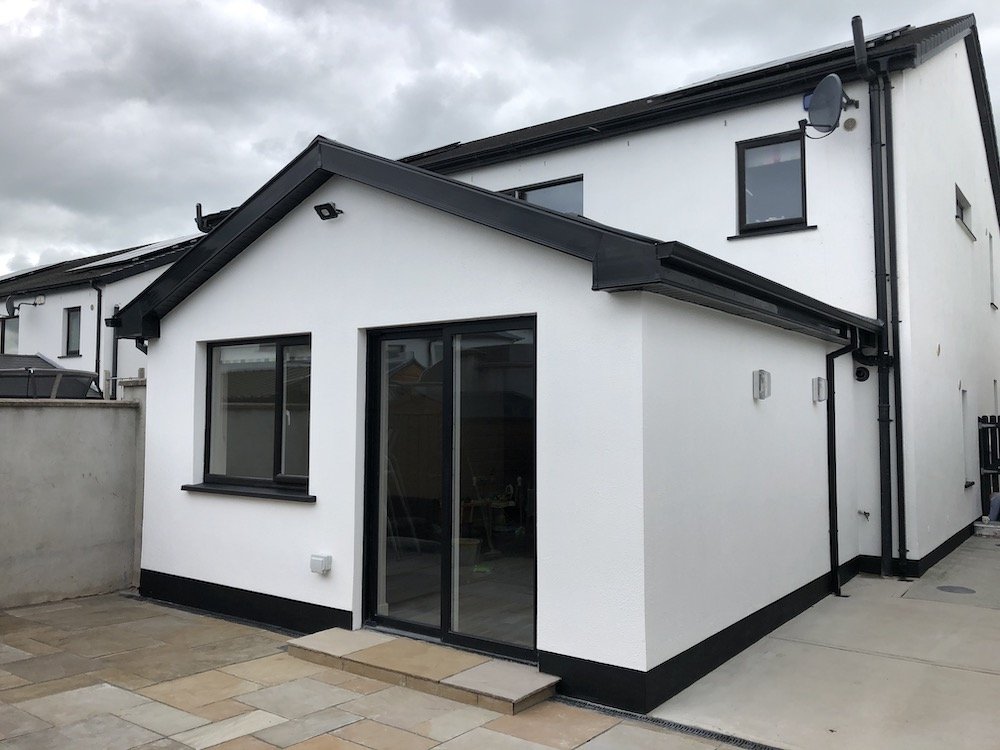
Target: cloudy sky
{"points": [[117, 117]]}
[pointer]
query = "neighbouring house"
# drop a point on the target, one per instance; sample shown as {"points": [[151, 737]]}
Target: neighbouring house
{"points": [[485, 418], [57, 310]]}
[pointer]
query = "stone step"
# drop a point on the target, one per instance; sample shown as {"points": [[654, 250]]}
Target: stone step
{"points": [[986, 529], [462, 676]]}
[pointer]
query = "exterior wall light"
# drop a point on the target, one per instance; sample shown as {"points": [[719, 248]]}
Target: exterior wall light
{"points": [[761, 385], [327, 211], [820, 389]]}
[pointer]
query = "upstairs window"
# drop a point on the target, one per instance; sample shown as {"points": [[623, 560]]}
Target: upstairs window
{"points": [[771, 182], [8, 335], [564, 195], [258, 412], [963, 212], [71, 327]]}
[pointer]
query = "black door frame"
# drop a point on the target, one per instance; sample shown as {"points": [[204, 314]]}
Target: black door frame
{"points": [[447, 332]]}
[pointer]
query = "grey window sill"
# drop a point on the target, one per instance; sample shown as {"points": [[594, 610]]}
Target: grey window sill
{"points": [[70, 356], [965, 228], [773, 230], [268, 493]]}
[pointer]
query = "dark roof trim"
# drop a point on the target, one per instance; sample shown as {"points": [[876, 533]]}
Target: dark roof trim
{"points": [[676, 270], [986, 121], [894, 51], [621, 260]]}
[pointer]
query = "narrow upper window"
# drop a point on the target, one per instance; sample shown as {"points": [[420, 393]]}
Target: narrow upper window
{"points": [[8, 335], [963, 212], [564, 195], [72, 329], [772, 182], [258, 419]]}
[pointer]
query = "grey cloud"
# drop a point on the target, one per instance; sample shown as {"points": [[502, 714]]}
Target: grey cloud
{"points": [[119, 116]]}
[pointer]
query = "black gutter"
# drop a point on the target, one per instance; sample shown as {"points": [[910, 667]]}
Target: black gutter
{"points": [[831, 460], [881, 301], [897, 380]]}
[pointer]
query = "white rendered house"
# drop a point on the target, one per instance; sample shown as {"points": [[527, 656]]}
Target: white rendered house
{"points": [[519, 430]]}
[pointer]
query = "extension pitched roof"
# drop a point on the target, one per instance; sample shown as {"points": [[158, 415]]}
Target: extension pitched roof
{"points": [[99, 269], [621, 260]]}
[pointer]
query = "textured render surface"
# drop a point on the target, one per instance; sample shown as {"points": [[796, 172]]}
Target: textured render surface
{"points": [[174, 680], [896, 664], [67, 499]]}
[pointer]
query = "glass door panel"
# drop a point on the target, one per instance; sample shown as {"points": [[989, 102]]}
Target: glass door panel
{"points": [[493, 486], [410, 537]]}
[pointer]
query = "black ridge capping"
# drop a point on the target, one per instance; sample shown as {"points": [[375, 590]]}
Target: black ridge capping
{"points": [[621, 260]]}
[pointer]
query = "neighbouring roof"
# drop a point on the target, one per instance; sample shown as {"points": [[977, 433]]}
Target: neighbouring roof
{"points": [[905, 47], [99, 269], [621, 260]]}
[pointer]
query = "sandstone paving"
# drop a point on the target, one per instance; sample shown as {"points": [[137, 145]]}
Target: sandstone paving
{"points": [[118, 673]]}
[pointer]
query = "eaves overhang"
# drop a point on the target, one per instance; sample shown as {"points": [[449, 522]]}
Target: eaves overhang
{"points": [[620, 260], [673, 269]]}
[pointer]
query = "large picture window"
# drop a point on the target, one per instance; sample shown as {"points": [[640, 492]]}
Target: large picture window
{"points": [[257, 429], [772, 182]]}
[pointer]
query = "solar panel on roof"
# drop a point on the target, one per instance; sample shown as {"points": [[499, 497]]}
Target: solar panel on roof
{"points": [[137, 253]]}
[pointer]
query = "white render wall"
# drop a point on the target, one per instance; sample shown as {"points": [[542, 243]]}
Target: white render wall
{"points": [[736, 490], [388, 262], [42, 329], [678, 182], [950, 334]]}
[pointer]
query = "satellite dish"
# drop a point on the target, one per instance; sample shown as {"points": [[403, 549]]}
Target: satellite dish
{"points": [[11, 310], [826, 104]]}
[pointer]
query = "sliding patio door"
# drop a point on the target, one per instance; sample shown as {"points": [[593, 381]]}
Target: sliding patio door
{"points": [[451, 486]]}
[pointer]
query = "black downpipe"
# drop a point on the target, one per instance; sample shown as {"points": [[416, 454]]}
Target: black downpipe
{"points": [[881, 301], [100, 323], [114, 363], [897, 381], [831, 461]]}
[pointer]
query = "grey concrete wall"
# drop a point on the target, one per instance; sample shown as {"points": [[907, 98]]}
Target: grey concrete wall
{"points": [[68, 498]]}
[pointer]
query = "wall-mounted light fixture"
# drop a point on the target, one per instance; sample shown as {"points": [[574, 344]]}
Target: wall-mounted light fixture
{"points": [[820, 391], [327, 211], [761, 384]]}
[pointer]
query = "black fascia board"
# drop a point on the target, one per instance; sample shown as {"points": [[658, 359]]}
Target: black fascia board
{"points": [[139, 319], [986, 120], [573, 235], [693, 276], [568, 233], [904, 50]]}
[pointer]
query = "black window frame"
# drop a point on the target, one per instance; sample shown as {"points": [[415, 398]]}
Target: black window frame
{"points": [[4, 323], [67, 313], [741, 196], [286, 482], [521, 193]]}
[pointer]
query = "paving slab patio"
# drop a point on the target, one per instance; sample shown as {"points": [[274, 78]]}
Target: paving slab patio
{"points": [[118, 672]]}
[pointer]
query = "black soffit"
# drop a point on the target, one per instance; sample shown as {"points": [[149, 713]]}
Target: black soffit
{"points": [[621, 260]]}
